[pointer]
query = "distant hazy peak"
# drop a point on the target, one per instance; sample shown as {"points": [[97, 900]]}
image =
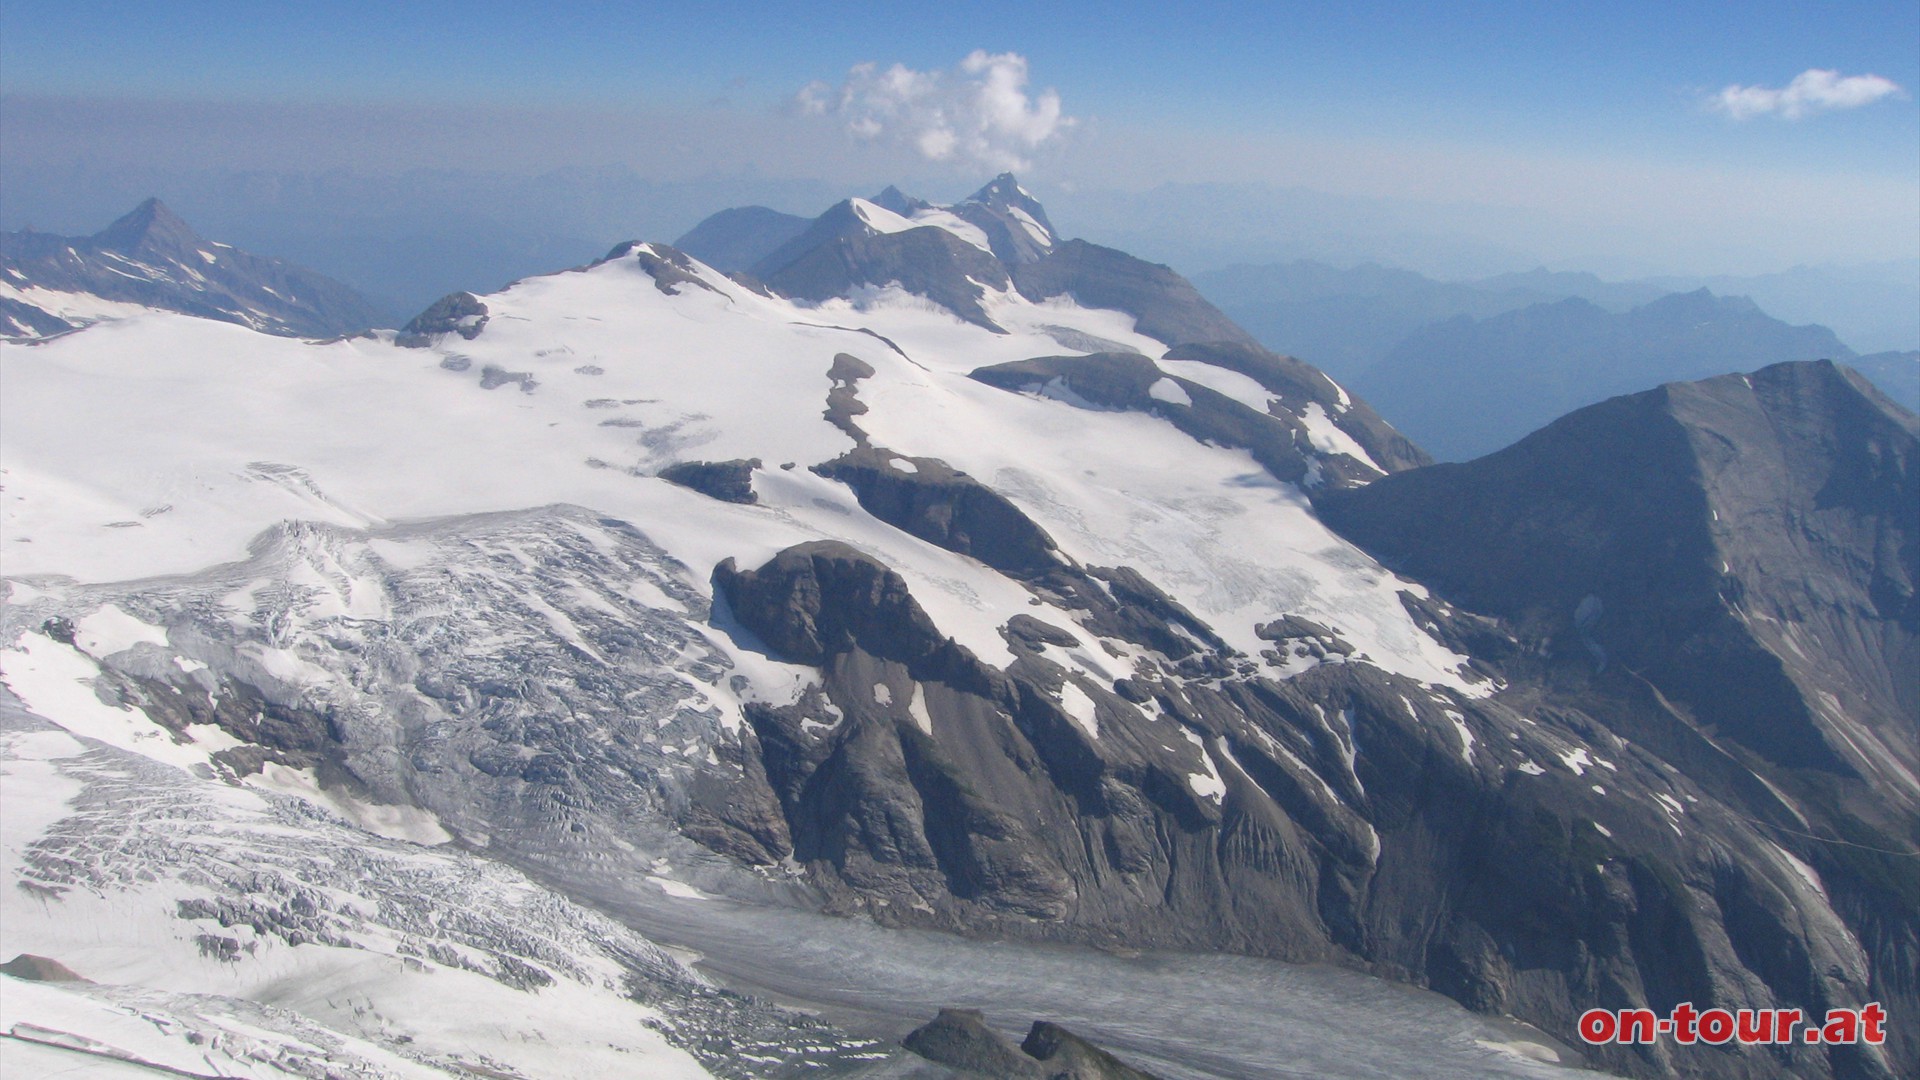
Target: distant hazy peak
{"points": [[152, 260], [899, 202], [151, 224]]}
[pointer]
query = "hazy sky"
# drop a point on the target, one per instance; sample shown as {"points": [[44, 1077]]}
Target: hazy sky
{"points": [[1631, 137]]}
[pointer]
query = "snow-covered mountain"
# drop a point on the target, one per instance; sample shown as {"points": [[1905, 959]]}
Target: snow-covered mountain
{"points": [[936, 570], [150, 260]]}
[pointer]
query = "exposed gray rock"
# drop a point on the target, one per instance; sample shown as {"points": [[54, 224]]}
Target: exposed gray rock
{"points": [[1297, 385], [961, 1039], [1068, 1055], [1732, 563], [670, 269], [843, 400], [33, 968], [455, 313], [943, 506], [728, 481], [1009, 217]]}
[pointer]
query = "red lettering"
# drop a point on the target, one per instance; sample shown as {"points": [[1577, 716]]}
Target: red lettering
{"points": [[1874, 1020], [1756, 1025], [1842, 1026], [1784, 1021], [1637, 1026], [1683, 1018], [1598, 1026], [1716, 1026]]}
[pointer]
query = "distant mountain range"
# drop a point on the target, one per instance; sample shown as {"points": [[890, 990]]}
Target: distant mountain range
{"points": [[151, 260], [1467, 367], [1344, 321], [1467, 387]]}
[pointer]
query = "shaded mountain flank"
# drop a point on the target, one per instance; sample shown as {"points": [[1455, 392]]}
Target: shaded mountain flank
{"points": [[1741, 551]]}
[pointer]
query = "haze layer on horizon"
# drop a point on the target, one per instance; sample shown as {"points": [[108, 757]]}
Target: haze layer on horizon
{"points": [[1458, 141]]}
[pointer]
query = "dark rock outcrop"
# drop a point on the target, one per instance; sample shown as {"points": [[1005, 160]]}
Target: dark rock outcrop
{"points": [[31, 968], [1731, 564], [944, 506], [728, 481], [1065, 1054], [960, 1039], [1626, 533], [1014, 222], [670, 269], [455, 313]]}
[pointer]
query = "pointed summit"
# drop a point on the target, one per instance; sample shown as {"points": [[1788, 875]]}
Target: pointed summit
{"points": [[151, 225], [1014, 221], [899, 201], [1001, 189]]}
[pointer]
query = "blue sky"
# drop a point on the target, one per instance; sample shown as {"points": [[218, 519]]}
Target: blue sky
{"points": [[1596, 116]]}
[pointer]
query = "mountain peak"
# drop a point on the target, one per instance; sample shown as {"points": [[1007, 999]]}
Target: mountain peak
{"points": [[898, 201], [151, 223], [1014, 220], [1001, 189]]}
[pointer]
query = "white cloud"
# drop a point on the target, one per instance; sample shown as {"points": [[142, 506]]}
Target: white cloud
{"points": [[1814, 90], [977, 113]]}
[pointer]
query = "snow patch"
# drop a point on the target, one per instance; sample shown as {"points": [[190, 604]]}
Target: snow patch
{"points": [[1169, 391], [110, 630], [405, 823], [917, 709], [1080, 708]]}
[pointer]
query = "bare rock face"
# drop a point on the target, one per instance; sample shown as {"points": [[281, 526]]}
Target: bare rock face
{"points": [[728, 481], [455, 313], [1065, 1054], [33, 968], [960, 1039], [925, 497], [1731, 564], [1629, 534]]}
